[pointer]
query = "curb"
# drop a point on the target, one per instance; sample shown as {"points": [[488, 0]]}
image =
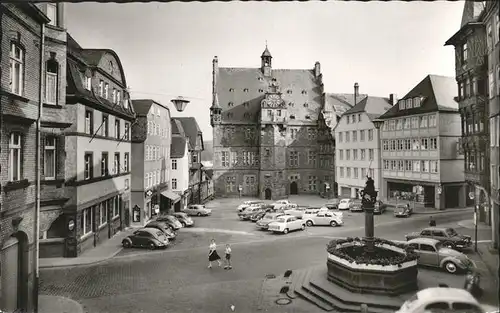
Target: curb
{"points": [[390, 208], [76, 264]]}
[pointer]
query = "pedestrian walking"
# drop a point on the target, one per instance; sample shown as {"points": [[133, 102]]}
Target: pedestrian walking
{"points": [[213, 255], [432, 222], [228, 257]]}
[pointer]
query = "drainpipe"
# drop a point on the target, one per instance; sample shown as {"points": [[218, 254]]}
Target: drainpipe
{"points": [[37, 169]]}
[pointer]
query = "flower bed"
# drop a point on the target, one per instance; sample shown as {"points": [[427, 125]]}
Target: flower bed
{"points": [[385, 252]]}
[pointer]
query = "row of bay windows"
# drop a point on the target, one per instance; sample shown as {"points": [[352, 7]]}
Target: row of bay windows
{"points": [[16, 157], [472, 123], [475, 161], [107, 210], [103, 128], [245, 158], [410, 144], [155, 153], [361, 156], [104, 164], [410, 103], [155, 178], [416, 166], [354, 172], [415, 122], [354, 137]]}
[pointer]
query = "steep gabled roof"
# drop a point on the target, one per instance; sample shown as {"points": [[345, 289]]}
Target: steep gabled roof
{"points": [[372, 106], [437, 94], [472, 11], [340, 102], [191, 129], [241, 90], [178, 147]]}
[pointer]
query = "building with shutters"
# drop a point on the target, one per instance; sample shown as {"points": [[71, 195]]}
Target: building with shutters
{"points": [[420, 137], [272, 131], [356, 144], [151, 140], [180, 159]]}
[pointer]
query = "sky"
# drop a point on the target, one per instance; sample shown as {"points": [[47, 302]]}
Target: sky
{"points": [[166, 49]]}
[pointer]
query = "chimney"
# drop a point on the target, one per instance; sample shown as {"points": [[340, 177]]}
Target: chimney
{"points": [[317, 69], [393, 98], [356, 93]]}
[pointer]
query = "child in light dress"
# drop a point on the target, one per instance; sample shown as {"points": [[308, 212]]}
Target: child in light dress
{"points": [[228, 257]]}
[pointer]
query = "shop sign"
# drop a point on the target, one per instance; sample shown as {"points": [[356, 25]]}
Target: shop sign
{"points": [[149, 193], [71, 224]]}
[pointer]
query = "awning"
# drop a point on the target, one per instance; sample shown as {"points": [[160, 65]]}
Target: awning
{"points": [[171, 195]]}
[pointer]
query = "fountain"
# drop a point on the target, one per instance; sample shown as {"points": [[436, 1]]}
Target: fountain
{"points": [[370, 264]]}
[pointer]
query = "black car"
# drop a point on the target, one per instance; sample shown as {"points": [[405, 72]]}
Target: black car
{"points": [[169, 232], [171, 221], [258, 215], [151, 238]]}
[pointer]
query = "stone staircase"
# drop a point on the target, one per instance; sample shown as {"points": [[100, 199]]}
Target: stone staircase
{"points": [[313, 286]]}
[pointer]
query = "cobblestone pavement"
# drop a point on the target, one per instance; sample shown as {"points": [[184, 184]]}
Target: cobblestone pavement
{"points": [[177, 279]]}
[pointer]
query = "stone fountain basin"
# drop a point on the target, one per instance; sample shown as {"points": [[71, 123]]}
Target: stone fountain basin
{"points": [[373, 278]]}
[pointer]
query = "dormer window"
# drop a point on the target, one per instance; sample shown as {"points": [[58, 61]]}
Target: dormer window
{"points": [[88, 82], [304, 92], [306, 105], [274, 79], [291, 104], [402, 104], [260, 79], [292, 117], [409, 103], [245, 90], [308, 117], [261, 90], [229, 114], [289, 91], [416, 102], [246, 104], [230, 104], [231, 89], [246, 115]]}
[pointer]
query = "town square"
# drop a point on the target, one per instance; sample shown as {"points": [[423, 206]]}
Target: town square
{"points": [[250, 157]]}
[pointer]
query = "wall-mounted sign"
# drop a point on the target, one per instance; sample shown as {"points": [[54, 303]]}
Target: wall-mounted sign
{"points": [[71, 224], [440, 190], [149, 193]]}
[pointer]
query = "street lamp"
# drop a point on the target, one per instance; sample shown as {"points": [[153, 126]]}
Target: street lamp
{"points": [[180, 103], [378, 124], [471, 196]]}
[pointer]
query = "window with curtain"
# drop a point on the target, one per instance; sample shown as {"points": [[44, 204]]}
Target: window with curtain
{"points": [[51, 74], [50, 158], [16, 69], [15, 157]]}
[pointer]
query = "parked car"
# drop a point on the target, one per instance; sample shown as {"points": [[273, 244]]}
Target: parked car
{"points": [[263, 223], [247, 213], [151, 238], [286, 223], [322, 218], [170, 220], [247, 203], [258, 215], [356, 206], [441, 299], [379, 207], [295, 211], [433, 253], [403, 210], [448, 236], [345, 204], [185, 220], [332, 204], [197, 210], [166, 229]]}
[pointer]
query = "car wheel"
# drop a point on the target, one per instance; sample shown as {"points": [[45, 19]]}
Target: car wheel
{"points": [[450, 267], [303, 227], [152, 246], [183, 224], [309, 223], [333, 223], [448, 244], [285, 231], [126, 244], [199, 214]]}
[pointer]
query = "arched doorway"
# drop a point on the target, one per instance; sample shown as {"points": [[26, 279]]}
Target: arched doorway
{"points": [[294, 189], [268, 194], [14, 269]]}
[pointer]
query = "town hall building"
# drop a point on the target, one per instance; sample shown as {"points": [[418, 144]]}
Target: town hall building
{"points": [[272, 131]]}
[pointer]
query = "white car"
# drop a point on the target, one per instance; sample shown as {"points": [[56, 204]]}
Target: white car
{"points": [[285, 224], [247, 204], [323, 218], [281, 203], [441, 299], [345, 204], [197, 210], [296, 211]]}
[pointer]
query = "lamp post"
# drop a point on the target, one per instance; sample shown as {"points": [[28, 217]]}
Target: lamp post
{"points": [[471, 196], [378, 124]]}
